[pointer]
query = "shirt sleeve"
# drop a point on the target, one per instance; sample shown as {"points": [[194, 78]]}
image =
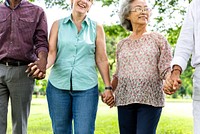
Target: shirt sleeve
{"points": [[116, 72], [165, 56], [41, 34], [119, 45], [185, 41]]}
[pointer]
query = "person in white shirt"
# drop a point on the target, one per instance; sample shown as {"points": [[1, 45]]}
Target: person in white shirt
{"points": [[188, 44]]}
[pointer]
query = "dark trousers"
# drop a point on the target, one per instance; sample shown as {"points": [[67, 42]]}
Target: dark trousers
{"points": [[138, 119]]}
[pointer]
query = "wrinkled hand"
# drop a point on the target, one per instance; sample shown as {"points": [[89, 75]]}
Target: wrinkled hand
{"points": [[172, 83], [108, 98], [37, 69]]}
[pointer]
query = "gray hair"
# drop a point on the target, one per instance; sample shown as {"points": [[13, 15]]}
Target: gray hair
{"points": [[123, 14]]}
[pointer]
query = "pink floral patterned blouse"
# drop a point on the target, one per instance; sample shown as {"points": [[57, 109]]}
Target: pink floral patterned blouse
{"points": [[141, 67]]}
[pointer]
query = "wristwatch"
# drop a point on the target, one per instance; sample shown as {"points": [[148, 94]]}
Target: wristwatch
{"points": [[108, 88]]}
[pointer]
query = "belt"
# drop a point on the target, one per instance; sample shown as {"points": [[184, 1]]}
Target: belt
{"points": [[11, 62]]}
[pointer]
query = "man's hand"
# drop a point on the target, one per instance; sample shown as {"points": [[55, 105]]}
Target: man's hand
{"points": [[37, 69], [172, 82]]}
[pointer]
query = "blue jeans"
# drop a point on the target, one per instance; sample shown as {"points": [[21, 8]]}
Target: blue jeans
{"points": [[138, 119], [79, 107]]}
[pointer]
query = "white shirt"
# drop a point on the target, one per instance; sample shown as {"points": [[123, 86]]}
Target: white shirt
{"points": [[189, 40]]}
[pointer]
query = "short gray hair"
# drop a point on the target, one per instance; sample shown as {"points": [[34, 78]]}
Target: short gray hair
{"points": [[123, 14]]}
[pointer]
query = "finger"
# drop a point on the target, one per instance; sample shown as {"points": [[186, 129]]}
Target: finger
{"points": [[28, 70], [104, 99], [110, 103], [179, 81], [169, 84], [29, 67], [175, 85], [30, 73], [34, 67], [31, 64], [167, 91], [166, 87], [110, 100], [41, 75], [102, 95], [36, 73]]}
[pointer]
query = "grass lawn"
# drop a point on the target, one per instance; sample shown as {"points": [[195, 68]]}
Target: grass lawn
{"points": [[176, 118]]}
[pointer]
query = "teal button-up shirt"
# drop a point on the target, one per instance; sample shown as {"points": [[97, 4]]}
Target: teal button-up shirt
{"points": [[75, 56]]}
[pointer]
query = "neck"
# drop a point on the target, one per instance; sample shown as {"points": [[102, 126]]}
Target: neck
{"points": [[78, 18], [138, 31], [14, 3]]}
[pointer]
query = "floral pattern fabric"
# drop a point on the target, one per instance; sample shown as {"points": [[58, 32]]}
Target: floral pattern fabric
{"points": [[141, 68]]}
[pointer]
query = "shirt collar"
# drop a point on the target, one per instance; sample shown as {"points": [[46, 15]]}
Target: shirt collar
{"points": [[7, 2], [69, 18]]}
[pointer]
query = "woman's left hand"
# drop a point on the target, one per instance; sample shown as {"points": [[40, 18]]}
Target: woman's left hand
{"points": [[108, 98]]}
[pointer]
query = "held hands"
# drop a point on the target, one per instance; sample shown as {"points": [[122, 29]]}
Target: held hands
{"points": [[108, 98], [172, 82], [37, 69]]}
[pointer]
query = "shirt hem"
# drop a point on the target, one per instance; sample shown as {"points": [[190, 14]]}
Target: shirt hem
{"points": [[160, 105]]}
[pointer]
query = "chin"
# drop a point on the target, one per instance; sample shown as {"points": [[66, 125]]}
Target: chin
{"points": [[82, 12], [143, 22]]}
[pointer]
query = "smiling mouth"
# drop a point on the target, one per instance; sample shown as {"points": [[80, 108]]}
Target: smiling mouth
{"points": [[143, 17], [81, 5]]}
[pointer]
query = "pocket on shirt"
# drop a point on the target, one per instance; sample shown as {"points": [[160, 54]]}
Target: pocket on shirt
{"points": [[2, 26], [27, 25]]}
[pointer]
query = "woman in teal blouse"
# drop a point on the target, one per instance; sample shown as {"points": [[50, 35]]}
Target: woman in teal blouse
{"points": [[76, 46]]}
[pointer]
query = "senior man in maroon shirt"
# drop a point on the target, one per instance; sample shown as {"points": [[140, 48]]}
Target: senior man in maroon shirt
{"points": [[23, 40]]}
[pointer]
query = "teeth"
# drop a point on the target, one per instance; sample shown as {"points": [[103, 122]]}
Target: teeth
{"points": [[143, 17], [81, 5]]}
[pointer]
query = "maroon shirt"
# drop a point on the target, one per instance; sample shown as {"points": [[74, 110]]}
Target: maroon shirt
{"points": [[23, 31]]}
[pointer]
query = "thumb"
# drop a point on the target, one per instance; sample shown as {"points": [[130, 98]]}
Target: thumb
{"points": [[175, 85], [179, 81], [104, 99]]}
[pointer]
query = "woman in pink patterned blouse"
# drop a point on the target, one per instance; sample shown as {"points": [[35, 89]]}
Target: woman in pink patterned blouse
{"points": [[143, 60]]}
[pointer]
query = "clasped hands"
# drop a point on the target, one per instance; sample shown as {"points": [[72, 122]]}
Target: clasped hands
{"points": [[108, 98], [172, 83], [37, 69]]}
